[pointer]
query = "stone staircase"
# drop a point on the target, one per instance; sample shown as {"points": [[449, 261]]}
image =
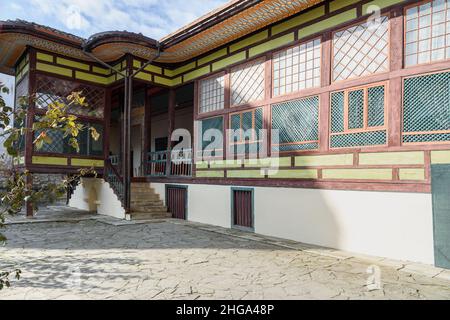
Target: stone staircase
{"points": [[146, 203]]}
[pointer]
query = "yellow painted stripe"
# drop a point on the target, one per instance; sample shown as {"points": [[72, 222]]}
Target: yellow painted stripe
{"points": [[412, 174], [154, 69], [250, 40], [440, 157], [226, 164], [101, 70], [363, 174], [272, 44], [294, 174], [210, 174], [301, 19], [91, 77], [73, 64], [201, 165], [325, 160], [53, 69], [56, 161], [144, 76], [327, 23], [228, 61], [185, 68], [168, 82], [87, 163], [268, 163], [339, 4], [212, 56], [391, 158], [245, 174], [196, 73], [44, 57], [380, 4]]}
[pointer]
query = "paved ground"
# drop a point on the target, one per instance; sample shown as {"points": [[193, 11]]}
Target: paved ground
{"points": [[91, 259]]}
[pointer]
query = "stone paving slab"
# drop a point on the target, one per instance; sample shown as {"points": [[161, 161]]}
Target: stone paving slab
{"points": [[95, 259]]}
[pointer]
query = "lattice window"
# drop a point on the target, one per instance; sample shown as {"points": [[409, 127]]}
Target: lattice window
{"points": [[358, 117], [427, 32], [60, 144], [205, 139], [361, 50], [297, 123], [212, 94], [51, 90], [246, 134], [426, 108], [297, 68], [247, 82]]}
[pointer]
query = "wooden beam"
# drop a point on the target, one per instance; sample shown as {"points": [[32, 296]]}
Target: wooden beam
{"points": [[146, 130]]}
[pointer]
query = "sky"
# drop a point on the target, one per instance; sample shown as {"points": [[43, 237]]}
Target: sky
{"points": [[153, 18]]}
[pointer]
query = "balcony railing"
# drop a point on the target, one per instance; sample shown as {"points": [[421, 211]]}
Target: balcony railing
{"points": [[169, 163]]}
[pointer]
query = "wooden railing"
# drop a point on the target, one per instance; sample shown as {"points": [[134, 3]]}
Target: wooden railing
{"points": [[112, 176], [169, 163]]}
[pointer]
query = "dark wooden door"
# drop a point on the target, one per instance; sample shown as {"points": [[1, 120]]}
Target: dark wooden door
{"points": [[440, 177], [242, 202], [176, 198]]}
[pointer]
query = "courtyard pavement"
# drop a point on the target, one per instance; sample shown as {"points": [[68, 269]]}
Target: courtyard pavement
{"points": [[102, 258]]}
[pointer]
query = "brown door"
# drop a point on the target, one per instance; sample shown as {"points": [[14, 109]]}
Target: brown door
{"points": [[176, 198], [242, 202]]}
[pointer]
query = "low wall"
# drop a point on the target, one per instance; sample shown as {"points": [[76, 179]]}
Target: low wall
{"points": [[387, 224]]}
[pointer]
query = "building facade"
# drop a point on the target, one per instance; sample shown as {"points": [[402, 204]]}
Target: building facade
{"points": [[325, 122]]}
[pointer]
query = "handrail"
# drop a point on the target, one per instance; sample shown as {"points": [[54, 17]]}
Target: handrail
{"points": [[112, 176], [169, 163]]}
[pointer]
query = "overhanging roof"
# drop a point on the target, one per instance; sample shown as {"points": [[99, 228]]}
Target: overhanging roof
{"points": [[232, 21]]}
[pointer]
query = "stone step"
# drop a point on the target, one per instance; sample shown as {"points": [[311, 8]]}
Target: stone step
{"points": [[140, 190], [144, 196], [147, 201], [149, 216], [149, 209]]}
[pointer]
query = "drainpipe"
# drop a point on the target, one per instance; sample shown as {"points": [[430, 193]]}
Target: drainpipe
{"points": [[128, 100]]}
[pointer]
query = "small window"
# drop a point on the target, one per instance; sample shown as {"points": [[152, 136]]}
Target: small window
{"points": [[427, 30], [297, 68], [361, 50], [297, 123], [212, 94], [358, 117], [246, 134], [247, 82], [426, 109], [210, 142]]}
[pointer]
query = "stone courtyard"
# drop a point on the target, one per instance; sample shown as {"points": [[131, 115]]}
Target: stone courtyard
{"points": [[100, 258]]}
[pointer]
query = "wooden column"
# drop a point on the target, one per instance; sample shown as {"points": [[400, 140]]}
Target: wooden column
{"points": [[394, 99], [146, 131], [226, 117], [29, 138], [324, 98], [267, 110], [170, 126], [107, 123], [29, 204], [195, 134]]}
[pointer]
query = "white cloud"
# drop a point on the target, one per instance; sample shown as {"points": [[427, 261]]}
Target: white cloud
{"points": [[153, 18]]}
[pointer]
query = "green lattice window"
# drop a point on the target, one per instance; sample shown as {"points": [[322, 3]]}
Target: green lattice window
{"points": [[246, 131], [207, 137], [426, 108], [358, 117], [297, 123]]}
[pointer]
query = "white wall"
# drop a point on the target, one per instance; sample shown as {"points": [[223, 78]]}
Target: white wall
{"points": [[136, 147], [386, 224], [96, 195]]}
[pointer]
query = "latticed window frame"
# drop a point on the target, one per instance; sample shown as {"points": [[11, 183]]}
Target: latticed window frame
{"points": [[298, 142], [366, 128], [199, 92], [304, 42], [446, 35], [253, 139], [239, 67], [199, 148], [359, 22], [424, 133]]}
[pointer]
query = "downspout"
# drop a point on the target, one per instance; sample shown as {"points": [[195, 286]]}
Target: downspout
{"points": [[128, 99]]}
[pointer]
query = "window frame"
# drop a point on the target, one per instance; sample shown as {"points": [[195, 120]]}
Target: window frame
{"points": [[243, 141], [355, 23], [405, 9], [297, 43], [199, 93], [365, 128]]}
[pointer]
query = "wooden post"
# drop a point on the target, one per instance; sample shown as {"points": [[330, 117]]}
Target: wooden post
{"points": [[324, 98], [171, 126], [395, 85], [29, 138], [146, 131]]}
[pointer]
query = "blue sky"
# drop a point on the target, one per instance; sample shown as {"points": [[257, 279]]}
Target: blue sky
{"points": [[153, 18]]}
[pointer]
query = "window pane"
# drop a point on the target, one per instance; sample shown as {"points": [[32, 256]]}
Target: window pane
{"points": [[247, 82], [212, 94]]}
